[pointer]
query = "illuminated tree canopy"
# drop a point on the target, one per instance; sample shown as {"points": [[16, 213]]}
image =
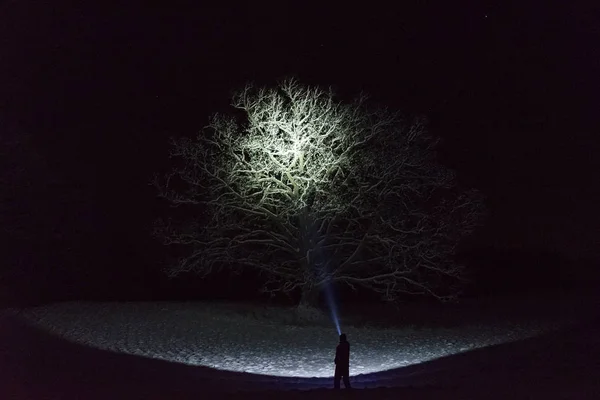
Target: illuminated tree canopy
{"points": [[309, 190]]}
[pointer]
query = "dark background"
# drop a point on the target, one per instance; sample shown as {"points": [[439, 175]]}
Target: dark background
{"points": [[90, 95]]}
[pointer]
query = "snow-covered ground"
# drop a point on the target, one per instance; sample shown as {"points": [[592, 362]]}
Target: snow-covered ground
{"points": [[193, 334]]}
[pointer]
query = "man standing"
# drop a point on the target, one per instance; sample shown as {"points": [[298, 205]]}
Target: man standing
{"points": [[342, 363]]}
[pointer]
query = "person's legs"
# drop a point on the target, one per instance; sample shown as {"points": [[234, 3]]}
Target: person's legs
{"points": [[346, 381], [336, 378], [336, 382]]}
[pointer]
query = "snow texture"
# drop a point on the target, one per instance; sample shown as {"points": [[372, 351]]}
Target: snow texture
{"points": [[191, 334]]}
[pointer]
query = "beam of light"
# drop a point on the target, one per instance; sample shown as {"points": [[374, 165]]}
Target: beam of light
{"points": [[322, 270], [332, 306]]}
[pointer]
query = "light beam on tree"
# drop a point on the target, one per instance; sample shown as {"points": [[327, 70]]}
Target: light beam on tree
{"points": [[303, 171]]}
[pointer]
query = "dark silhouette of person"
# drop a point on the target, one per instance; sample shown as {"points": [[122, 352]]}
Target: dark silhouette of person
{"points": [[342, 363]]}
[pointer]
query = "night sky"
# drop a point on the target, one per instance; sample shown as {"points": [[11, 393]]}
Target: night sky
{"points": [[89, 97]]}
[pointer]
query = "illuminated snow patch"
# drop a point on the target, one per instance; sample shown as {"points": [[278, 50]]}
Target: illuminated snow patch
{"points": [[189, 334]]}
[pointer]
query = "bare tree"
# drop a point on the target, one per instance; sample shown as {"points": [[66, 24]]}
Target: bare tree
{"points": [[310, 191]]}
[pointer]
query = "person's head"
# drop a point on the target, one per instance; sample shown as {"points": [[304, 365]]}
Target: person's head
{"points": [[343, 338]]}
